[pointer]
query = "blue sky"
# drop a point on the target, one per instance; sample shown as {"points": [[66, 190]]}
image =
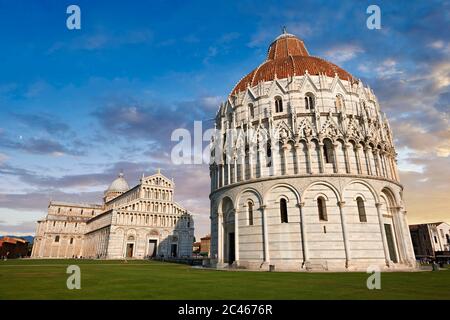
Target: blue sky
{"points": [[77, 106]]}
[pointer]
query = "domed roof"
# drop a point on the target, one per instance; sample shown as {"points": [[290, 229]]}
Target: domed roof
{"points": [[287, 56], [118, 185]]}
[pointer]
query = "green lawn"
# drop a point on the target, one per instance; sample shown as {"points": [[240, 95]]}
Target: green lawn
{"points": [[46, 279]]}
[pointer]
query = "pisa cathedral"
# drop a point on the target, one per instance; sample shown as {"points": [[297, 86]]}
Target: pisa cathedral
{"points": [[311, 181], [139, 222]]}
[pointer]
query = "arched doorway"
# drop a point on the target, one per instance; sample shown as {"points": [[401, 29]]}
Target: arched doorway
{"points": [[228, 231], [129, 250]]}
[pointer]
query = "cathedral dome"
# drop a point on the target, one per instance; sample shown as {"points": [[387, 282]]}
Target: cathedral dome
{"points": [[287, 56], [119, 185]]}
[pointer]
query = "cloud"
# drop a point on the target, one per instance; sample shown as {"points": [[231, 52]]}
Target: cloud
{"points": [[267, 31], [229, 37], [104, 39], [42, 146], [221, 46], [38, 200], [343, 53], [426, 192], [154, 121], [441, 46], [423, 141], [37, 88], [20, 229], [3, 158], [212, 102], [386, 69], [440, 75], [48, 122]]}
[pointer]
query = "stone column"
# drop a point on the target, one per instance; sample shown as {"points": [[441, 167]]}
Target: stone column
{"points": [[297, 158], [275, 155], [220, 238], [265, 234], [308, 156], [216, 177], [382, 164], [243, 166], [383, 234], [304, 235], [250, 162], [407, 240], [347, 159], [358, 159], [262, 160], [376, 159], [222, 175], [284, 148], [392, 167], [321, 163], [335, 158], [386, 167], [228, 173], [397, 176], [367, 151], [399, 234], [345, 233], [235, 178], [236, 237]]}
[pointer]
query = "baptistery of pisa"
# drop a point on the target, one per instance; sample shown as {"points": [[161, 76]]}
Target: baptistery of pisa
{"points": [[304, 173]]}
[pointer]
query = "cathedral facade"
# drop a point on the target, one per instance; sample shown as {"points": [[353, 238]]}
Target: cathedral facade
{"points": [[139, 222], [304, 173]]}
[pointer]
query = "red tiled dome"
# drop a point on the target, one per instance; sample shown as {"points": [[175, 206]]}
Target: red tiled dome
{"points": [[287, 56]]}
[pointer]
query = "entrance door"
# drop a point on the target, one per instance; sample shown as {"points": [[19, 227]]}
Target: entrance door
{"points": [[390, 242], [173, 250], [130, 250], [231, 248], [152, 245]]}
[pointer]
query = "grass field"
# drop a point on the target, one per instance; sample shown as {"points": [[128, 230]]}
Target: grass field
{"points": [[46, 279]]}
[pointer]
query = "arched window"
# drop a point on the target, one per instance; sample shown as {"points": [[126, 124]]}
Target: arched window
{"points": [[322, 207], [250, 213], [57, 239], [278, 104], [251, 110], [59, 210], [328, 151], [361, 209], [309, 101], [268, 154], [82, 211], [283, 210]]}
